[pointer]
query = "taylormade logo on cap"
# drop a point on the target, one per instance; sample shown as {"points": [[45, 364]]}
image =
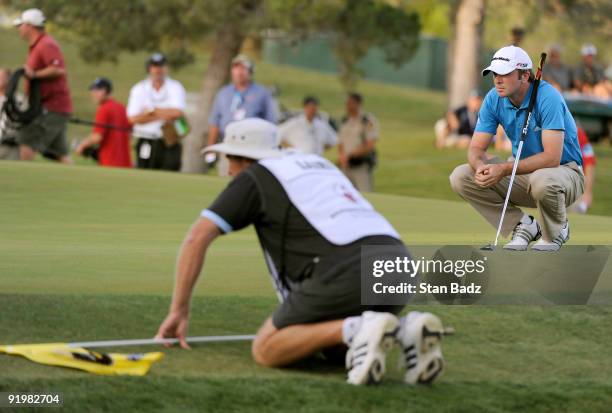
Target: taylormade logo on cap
{"points": [[507, 59]]}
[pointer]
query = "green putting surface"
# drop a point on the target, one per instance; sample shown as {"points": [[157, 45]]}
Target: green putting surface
{"points": [[88, 254]]}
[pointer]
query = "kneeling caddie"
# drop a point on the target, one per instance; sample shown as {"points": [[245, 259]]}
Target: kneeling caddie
{"points": [[311, 224]]}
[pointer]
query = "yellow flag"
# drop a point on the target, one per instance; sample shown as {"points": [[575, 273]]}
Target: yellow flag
{"points": [[61, 354]]}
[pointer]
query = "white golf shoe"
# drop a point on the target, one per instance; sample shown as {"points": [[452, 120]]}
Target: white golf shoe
{"points": [[365, 359], [525, 232], [556, 243], [420, 335]]}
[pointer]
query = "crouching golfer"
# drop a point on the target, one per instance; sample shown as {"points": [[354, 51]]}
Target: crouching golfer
{"points": [[311, 223], [549, 174]]}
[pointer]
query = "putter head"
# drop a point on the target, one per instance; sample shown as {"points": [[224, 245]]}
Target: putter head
{"points": [[488, 247]]}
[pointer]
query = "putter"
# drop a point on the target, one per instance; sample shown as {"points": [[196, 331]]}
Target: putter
{"points": [[153, 341], [532, 99]]}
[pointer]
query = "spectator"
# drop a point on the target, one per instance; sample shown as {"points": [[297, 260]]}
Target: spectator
{"points": [[582, 205], [241, 99], [307, 132], [555, 71], [358, 135], [517, 34], [154, 102], [9, 148], [458, 127], [47, 133], [589, 75], [111, 129]]}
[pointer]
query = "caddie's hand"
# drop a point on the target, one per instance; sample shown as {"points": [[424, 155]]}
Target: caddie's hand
{"points": [[79, 149], [488, 175], [175, 325]]}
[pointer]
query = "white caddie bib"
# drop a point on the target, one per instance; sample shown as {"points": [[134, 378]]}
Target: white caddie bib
{"points": [[327, 199]]}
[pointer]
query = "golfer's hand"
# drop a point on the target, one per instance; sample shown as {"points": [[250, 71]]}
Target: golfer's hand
{"points": [[175, 325], [488, 175]]}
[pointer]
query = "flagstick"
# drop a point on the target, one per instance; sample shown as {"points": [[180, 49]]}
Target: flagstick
{"points": [[153, 341]]}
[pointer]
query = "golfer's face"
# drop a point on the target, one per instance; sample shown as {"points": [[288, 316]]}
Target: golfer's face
{"points": [[506, 85]]}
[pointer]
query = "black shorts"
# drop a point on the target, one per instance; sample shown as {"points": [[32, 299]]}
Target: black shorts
{"points": [[158, 155], [332, 297]]}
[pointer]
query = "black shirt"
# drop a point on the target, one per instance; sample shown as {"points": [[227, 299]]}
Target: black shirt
{"points": [[256, 197]]}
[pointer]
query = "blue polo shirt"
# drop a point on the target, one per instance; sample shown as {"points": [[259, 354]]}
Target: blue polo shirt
{"points": [[231, 105], [550, 112]]}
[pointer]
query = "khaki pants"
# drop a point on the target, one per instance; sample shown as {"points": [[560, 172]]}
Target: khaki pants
{"points": [[551, 190], [361, 177]]}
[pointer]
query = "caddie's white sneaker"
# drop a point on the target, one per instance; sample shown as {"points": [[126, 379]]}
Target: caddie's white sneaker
{"points": [[365, 359], [555, 244], [526, 231], [420, 335]]}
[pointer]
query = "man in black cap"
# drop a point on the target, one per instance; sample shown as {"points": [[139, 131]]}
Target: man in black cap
{"points": [[111, 130], [156, 103]]}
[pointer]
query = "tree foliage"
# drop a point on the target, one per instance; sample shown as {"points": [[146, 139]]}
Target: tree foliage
{"points": [[105, 29], [355, 26]]}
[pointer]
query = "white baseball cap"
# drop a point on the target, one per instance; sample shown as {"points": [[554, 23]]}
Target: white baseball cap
{"points": [[588, 50], [507, 59], [35, 17], [252, 138]]}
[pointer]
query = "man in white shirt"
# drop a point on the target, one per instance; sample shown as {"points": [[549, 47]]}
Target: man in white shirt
{"points": [[154, 102], [307, 132]]}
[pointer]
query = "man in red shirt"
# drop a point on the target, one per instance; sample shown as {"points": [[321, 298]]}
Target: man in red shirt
{"points": [[47, 133], [112, 129]]}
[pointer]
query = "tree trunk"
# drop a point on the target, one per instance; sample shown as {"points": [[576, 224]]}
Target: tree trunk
{"points": [[227, 44], [464, 51]]}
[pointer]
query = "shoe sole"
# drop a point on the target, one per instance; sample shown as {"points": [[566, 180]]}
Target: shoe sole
{"points": [[505, 248], [374, 373], [555, 250], [433, 370], [377, 370], [430, 346]]}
